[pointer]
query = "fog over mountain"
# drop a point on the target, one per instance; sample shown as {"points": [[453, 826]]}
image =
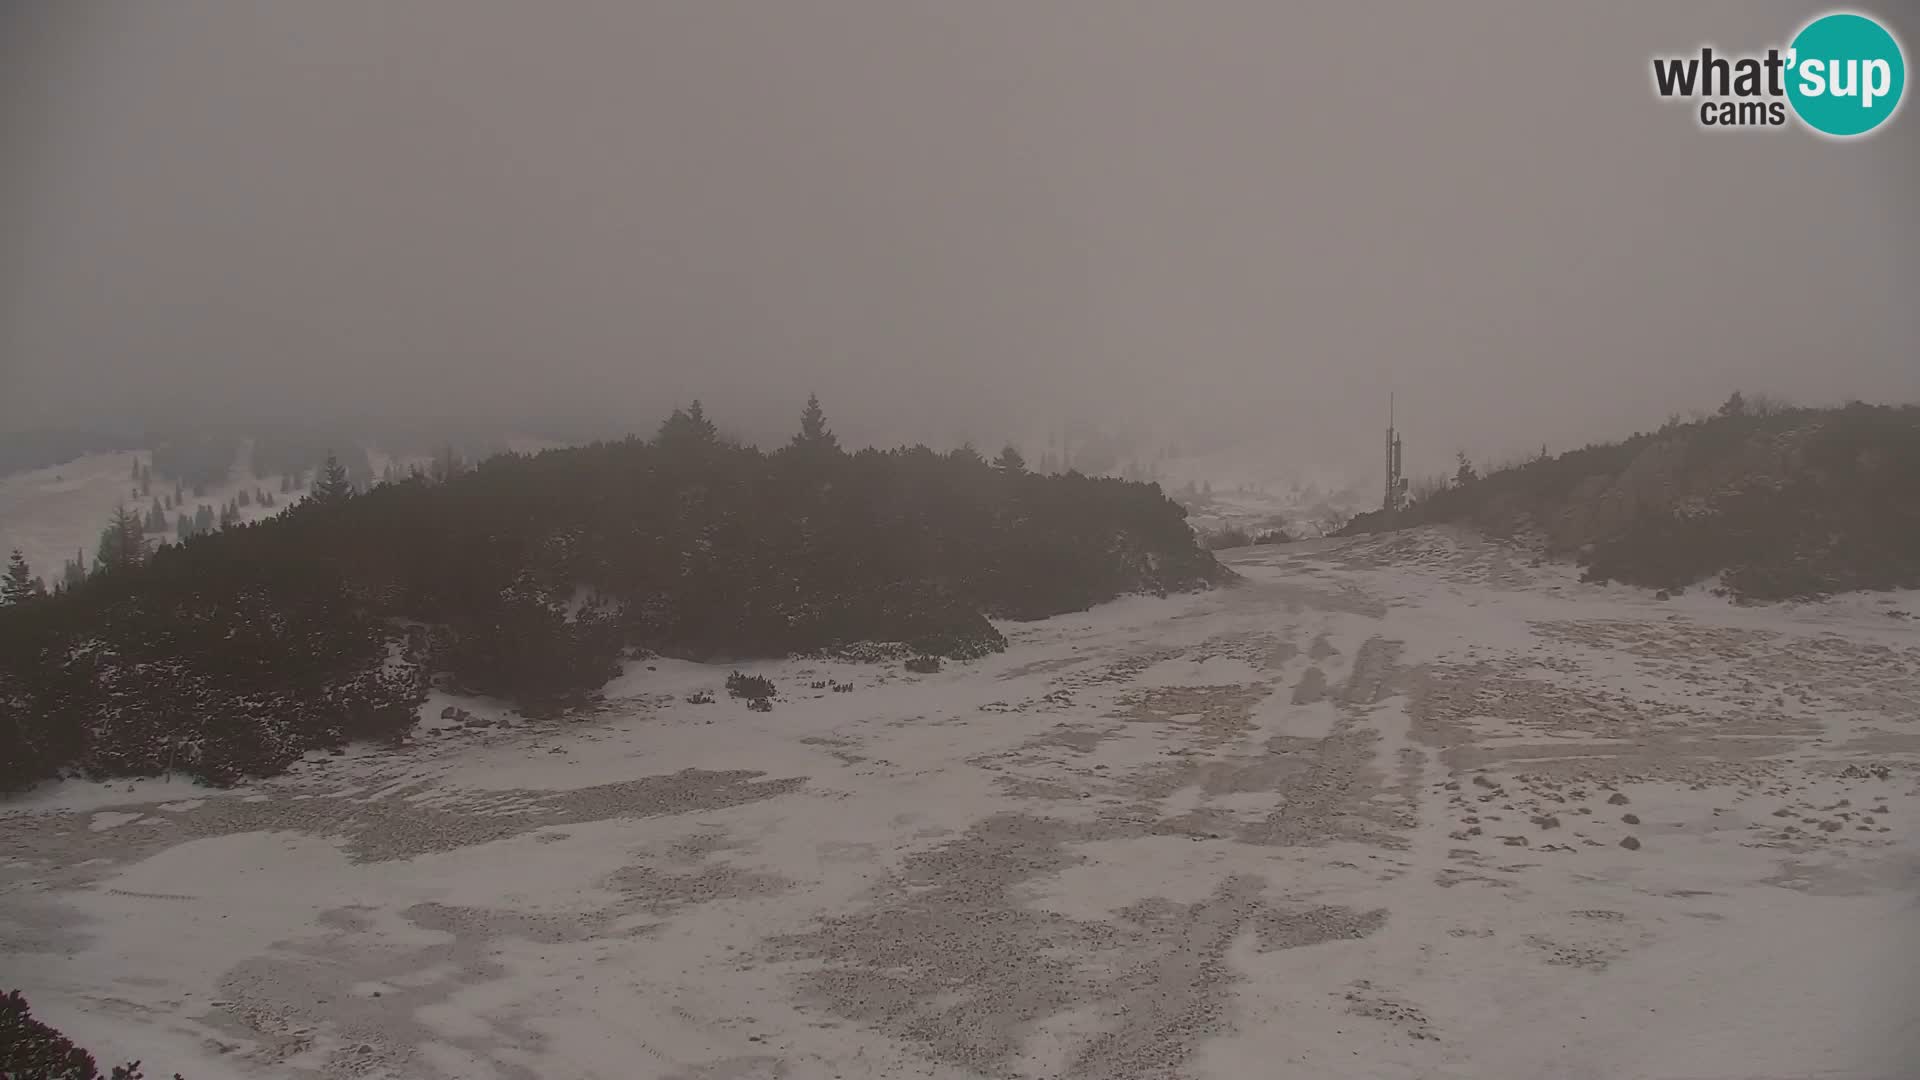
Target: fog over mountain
{"points": [[1234, 220]]}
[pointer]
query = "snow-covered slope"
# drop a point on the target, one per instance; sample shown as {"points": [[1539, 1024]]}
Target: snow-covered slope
{"points": [[52, 513], [1398, 807]]}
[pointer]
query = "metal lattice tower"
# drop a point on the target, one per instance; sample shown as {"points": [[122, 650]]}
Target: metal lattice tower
{"points": [[1396, 491]]}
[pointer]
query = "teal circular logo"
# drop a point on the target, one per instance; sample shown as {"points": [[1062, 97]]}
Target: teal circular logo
{"points": [[1845, 74]]}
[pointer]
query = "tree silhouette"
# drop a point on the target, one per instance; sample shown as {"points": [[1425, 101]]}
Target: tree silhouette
{"points": [[74, 570], [19, 586], [1465, 473], [687, 429], [814, 437], [123, 543], [334, 486], [1010, 461]]}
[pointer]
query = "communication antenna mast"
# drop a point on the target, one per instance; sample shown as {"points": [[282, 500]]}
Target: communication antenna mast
{"points": [[1396, 484]]}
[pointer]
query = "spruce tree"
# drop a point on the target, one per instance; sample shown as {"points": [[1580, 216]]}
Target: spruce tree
{"points": [[687, 429], [18, 586], [1465, 474], [673, 429], [702, 427], [333, 486], [1010, 461], [814, 437], [123, 543]]}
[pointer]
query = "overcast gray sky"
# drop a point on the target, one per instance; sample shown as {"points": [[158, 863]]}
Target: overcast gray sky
{"points": [[949, 219]]}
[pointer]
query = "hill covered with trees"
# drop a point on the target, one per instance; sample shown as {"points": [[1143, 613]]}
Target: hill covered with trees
{"points": [[1777, 502], [530, 577]]}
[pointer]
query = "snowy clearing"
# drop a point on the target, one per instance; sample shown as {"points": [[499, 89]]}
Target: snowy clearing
{"points": [[54, 513], [1403, 806]]}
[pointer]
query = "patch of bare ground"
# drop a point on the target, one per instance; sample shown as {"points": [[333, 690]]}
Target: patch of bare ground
{"points": [[1263, 651], [1364, 999], [1788, 668], [390, 826], [1206, 717], [945, 956]]}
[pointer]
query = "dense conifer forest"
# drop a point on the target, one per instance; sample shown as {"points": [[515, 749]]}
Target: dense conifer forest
{"points": [[1773, 501], [530, 577]]}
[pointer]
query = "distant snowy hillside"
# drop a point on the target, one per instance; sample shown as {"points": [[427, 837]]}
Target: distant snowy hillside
{"points": [[52, 513], [1254, 487]]}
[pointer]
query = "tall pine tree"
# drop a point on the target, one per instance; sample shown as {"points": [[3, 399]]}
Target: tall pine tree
{"points": [[123, 543], [74, 571], [687, 429], [334, 486], [19, 586], [1465, 474], [815, 438]]}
